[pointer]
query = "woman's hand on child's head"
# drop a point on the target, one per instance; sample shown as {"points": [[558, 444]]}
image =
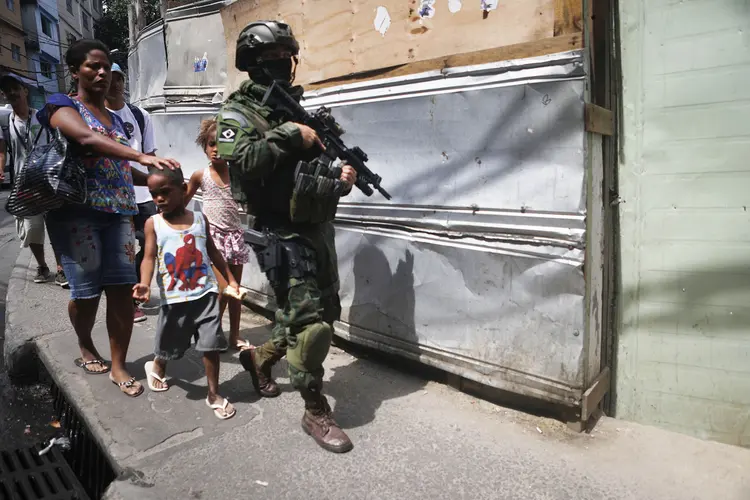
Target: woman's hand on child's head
{"points": [[160, 163], [141, 292]]}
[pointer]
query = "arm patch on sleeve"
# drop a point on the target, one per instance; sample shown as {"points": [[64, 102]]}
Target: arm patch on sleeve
{"points": [[228, 134]]}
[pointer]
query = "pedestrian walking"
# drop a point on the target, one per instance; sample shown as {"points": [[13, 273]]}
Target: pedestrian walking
{"points": [[96, 241], [140, 133], [23, 128], [179, 245], [223, 216], [264, 150]]}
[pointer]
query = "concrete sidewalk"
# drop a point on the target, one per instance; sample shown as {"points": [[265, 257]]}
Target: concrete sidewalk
{"points": [[413, 439]]}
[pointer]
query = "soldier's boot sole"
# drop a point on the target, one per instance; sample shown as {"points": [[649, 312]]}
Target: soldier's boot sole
{"points": [[269, 389]]}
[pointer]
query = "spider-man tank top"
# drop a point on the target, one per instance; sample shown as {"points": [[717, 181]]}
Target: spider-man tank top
{"points": [[183, 269]]}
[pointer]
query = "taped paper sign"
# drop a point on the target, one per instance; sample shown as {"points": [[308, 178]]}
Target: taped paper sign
{"points": [[488, 5], [427, 8], [382, 20], [200, 65]]}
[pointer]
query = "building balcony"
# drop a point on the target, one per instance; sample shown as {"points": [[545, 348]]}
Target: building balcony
{"points": [[31, 40]]}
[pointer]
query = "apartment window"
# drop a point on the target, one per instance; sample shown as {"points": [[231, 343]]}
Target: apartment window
{"points": [[69, 5], [16, 52], [71, 39], [45, 69], [85, 20], [97, 5], [46, 26], [10, 4]]}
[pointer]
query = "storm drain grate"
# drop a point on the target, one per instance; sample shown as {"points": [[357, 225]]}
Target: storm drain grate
{"points": [[24, 475], [86, 459]]}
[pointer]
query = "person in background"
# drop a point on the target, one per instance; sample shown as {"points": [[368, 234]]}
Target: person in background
{"points": [[96, 241], [140, 132], [23, 127], [223, 215], [180, 247]]}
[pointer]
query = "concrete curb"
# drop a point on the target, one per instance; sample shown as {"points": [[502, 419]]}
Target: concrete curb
{"points": [[33, 311], [19, 351]]}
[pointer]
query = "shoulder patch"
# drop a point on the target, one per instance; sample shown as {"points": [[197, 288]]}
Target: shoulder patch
{"points": [[228, 134]]}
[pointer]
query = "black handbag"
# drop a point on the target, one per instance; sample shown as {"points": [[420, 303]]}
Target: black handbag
{"points": [[52, 175]]}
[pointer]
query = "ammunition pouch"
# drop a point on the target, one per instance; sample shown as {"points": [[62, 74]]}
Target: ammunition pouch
{"points": [[283, 260], [317, 190]]}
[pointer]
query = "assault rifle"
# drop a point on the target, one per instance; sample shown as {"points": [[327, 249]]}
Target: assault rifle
{"points": [[329, 132]]}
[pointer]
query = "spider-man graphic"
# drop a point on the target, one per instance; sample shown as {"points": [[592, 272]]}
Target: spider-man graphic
{"points": [[186, 265]]}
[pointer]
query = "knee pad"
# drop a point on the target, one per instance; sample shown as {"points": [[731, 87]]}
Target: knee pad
{"points": [[311, 348]]}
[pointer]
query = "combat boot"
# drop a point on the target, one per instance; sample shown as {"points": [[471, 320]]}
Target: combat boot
{"points": [[319, 424], [263, 383]]}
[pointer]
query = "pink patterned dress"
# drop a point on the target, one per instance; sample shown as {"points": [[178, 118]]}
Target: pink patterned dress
{"points": [[223, 216]]}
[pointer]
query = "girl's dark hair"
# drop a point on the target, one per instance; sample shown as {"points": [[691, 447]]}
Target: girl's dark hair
{"points": [[79, 50], [174, 177], [206, 133]]}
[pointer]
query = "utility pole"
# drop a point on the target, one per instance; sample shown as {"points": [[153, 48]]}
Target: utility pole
{"points": [[140, 19], [131, 26]]}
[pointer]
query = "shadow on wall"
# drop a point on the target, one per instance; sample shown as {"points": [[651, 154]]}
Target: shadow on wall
{"points": [[679, 318], [531, 138], [384, 302], [703, 302], [384, 299]]}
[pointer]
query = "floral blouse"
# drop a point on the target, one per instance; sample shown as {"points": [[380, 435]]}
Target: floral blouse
{"points": [[109, 181]]}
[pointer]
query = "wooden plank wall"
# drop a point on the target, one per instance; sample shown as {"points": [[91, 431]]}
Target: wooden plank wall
{"points": [[340, 43]]}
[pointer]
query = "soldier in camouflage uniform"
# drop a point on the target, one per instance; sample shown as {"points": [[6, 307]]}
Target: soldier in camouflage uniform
{"points": [[264, 149]]}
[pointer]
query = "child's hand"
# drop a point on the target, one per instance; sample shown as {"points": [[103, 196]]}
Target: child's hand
{"points": [[233, 290], [141, 292]]}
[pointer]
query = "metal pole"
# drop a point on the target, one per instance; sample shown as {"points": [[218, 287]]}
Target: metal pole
{"points": [[140, 20], [131, 25]]}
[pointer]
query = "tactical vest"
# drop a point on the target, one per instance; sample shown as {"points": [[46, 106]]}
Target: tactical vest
{"points": [[309, 194]]}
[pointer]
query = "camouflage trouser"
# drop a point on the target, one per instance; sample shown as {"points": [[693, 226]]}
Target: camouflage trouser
{"points": [[307, 308]]}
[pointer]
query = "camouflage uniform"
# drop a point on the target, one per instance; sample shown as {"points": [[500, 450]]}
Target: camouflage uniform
{"points": [[263, 149]]}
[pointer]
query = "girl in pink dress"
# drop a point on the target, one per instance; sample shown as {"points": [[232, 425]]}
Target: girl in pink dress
{"points": [[223, 216]]}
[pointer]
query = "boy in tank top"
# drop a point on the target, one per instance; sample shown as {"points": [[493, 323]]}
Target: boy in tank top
{"points": [[179, 246]]}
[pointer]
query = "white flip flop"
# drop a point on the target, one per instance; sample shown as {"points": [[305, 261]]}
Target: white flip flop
{"points": [[151, 376], [216, 407]]}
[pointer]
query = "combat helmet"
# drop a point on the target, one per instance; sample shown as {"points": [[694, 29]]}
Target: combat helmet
{"points": [[259, 34]]}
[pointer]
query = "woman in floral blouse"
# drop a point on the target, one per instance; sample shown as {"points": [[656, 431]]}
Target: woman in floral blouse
{"points": [[96, 241]]}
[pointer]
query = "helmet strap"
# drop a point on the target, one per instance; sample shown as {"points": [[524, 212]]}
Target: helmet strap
{"points": [[294, 68]]}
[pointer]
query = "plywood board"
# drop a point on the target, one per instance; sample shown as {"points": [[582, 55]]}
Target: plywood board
{"points": [[568, 17], [599, 120], [594, 395], [341, 37], [546, 46]]}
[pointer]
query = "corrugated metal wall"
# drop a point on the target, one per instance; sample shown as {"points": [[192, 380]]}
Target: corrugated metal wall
{"points": [[495, 292], [684, 346], [476, 265]]}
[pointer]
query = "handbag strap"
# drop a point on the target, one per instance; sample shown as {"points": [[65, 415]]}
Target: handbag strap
{"points": [[45, 128]]}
